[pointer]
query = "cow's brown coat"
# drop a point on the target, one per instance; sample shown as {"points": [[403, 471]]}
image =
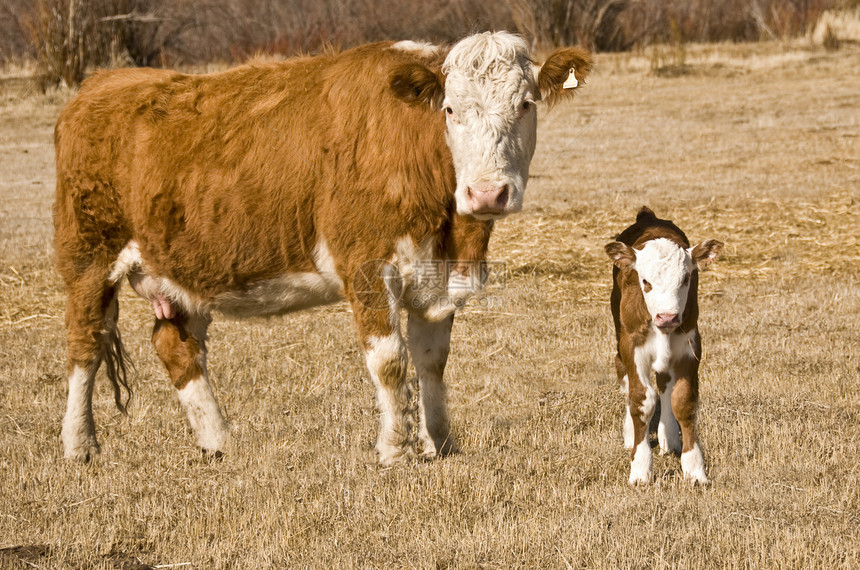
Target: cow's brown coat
{"points": [[230, 179]]}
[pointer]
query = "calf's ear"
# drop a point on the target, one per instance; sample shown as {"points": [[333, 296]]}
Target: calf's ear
{"points": [[555, 82], [416, 83], [621, 254], [706, 252]]}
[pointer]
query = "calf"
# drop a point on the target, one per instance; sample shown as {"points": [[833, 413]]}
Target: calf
{"points": [[274, 187], [655, 308]]}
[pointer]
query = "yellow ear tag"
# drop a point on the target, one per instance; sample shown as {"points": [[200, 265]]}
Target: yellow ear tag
{"points": [[571, 81]]}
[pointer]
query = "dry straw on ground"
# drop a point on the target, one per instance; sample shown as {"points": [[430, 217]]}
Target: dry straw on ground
{"points": [[754, 145]]}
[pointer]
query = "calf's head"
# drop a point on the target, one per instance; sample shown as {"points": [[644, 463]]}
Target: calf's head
{"points": [[664, 269], [488, 88]]}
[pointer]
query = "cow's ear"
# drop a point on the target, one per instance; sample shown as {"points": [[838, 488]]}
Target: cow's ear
{"points": [[563, 73], [417, 83], [706, 252], [621, 254]]}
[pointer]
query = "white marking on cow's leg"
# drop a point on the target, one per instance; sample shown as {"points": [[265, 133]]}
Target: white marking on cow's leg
{"points": [[640, 467], [204, 415], [628, 419], [668, 430], [628, 429], [641, 464], [429, 344], [181, 346], [386, 362], [693, 465], [79, 428]]}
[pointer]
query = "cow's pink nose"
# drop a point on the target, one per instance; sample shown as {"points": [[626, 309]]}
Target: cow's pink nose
{"points": [[667, 320], [488, 197]]}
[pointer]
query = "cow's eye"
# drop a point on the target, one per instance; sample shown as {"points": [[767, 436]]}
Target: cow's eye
{"points": [[449, 111], [526, 106], [646, 286], [686, 279]]}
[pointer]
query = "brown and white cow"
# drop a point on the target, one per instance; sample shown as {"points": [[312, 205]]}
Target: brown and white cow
{"points": [[274, 187], [655, 309]]}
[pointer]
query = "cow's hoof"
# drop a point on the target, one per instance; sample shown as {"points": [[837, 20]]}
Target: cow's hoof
{"points": [[391, 455], [83, 453], [435, 449], [637, 479], [212, 455]]}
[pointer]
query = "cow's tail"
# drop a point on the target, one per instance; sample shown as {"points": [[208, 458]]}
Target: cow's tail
{"points": [[116, 359]]}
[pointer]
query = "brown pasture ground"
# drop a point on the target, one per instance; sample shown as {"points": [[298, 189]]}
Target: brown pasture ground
{"points": [[758, 146]]}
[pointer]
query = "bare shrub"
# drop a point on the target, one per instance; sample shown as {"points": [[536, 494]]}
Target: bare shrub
{"points": [[837, 26], [594, 23], [165, 32]]}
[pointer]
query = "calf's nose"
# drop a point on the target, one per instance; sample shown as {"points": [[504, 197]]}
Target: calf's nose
{"points": [[667, 320], [488, 197]]}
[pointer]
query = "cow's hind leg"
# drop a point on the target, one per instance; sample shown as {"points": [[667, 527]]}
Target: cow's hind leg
{"points": [[92, 336], [428, 345], [181, 345]]}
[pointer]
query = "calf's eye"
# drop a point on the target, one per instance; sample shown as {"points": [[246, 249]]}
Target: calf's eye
{"points": [[646, 286]]}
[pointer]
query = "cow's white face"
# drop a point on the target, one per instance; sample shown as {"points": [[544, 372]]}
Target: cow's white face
{"points": [[487, 88], [489, 105], [665, 269]]}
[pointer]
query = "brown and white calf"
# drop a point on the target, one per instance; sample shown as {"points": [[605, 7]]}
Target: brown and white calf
{"points": [[274, 187], [655, 309]]}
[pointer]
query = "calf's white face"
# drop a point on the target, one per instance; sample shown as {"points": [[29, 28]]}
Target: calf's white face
{"points": [[664, 269]]}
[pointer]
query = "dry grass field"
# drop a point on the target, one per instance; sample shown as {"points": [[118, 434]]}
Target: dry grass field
{"points": [[758, 146]]}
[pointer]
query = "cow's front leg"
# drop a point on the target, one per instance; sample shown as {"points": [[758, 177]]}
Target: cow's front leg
{"points": [[685, 401], [378, 320], [642, 399], [428, 345], [668, 434]]}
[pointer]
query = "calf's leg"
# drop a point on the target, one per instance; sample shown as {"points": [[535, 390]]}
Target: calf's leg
{"points": [[685, 401], [428, 345], [668, 434], [181, 345], [642, 399]]}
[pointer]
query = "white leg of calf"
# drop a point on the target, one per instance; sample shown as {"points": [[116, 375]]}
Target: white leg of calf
{"points": [[641, 466], [79, 428], [428, 344], [693, 465], [668, 430], [628, 429], [386, 362], [204, 415]]}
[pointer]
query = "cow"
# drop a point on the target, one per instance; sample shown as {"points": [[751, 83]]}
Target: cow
{"points": [[277, 186], [655, 310]]}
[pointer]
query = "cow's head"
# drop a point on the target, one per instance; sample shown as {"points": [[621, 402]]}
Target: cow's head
{"points": [[664, 269], [488, 89]]}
